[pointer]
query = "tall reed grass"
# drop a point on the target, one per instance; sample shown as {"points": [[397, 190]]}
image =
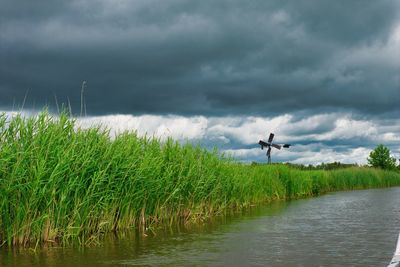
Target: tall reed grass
{"points": [[59, 183]]}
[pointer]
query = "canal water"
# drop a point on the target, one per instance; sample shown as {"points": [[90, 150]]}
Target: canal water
{"points": [[355, 228]]}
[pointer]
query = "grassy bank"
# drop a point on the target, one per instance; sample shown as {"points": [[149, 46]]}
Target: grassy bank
{"points": [[59, 184]]}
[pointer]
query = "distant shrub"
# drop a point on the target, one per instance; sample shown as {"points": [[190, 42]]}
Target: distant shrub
{"points": [[380, 158], [323, 166]]}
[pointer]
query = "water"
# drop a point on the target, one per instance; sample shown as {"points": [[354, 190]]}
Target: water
{"points": [[357, 228]]}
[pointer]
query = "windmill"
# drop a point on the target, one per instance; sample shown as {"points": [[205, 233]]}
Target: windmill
{"points": [[269, 144]]}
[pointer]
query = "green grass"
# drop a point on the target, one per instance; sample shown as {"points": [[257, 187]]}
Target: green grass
{"points": [[59, 183]]}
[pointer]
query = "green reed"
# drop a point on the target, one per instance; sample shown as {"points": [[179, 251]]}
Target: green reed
{"points": [[59, 183]]}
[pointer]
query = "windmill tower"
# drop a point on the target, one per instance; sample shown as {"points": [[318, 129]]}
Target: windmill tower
{"points": [[269, 145]]}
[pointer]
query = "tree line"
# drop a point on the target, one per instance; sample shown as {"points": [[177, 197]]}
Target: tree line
{"points": [[380, 158]]}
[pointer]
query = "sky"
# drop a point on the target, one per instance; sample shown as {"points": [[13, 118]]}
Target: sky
{"points": [[322, 75]]}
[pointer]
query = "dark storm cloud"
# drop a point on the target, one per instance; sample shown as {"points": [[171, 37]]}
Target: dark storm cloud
{"points": [[203, 57]]}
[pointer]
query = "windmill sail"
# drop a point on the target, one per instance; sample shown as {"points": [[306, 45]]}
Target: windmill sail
{"points": [[262, 144], [271, 136], [276, 146]]}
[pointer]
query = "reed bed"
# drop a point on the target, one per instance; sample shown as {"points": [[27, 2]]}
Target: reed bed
{"points": [[59, 183]]}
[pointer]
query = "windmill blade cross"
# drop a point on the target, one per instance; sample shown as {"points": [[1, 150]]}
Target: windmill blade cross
{"points": [[270, 145]]}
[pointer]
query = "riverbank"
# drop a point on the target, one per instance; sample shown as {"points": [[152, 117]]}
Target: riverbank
{"points": [[59, 184]]}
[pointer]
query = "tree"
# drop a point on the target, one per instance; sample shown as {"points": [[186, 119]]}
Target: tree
{"points": [[380, 158]]}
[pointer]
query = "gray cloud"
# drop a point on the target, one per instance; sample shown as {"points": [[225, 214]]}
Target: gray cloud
{"points": [[204, 57]]}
